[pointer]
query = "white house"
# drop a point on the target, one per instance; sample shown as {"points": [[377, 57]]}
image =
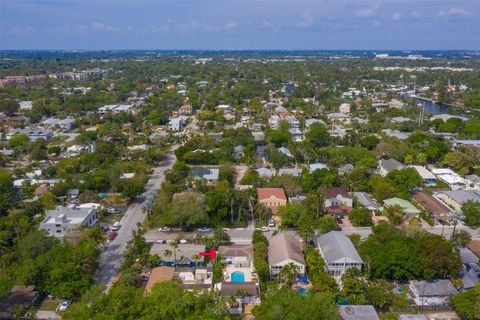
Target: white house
{"points": [[456, 198], [432, 292], [344, 108], [450, 177], [32, 133], [427, 177], [53, 123], [316, 166], [239, 255], [339, 253], [62, 220], [176, 124], [116, 108], [283, 250], [25, 105]]}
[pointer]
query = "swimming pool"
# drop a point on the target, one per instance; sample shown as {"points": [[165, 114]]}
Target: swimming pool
{"points": [[238, 276]]}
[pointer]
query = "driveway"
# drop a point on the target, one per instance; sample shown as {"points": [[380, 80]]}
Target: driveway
{"points": [[112, 255], [47, 315]]}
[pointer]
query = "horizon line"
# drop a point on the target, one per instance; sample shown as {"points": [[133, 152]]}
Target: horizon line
{"points": [[237, 50]]}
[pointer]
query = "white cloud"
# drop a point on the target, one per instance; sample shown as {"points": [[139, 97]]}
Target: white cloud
{"points": [[376, 23], [307, 19], [195, 25], [231, 25], [458, 12], [397, 16], [454, 12], [105, 27], [19, 30], [416, 14], [366, 13], [369, 12]]}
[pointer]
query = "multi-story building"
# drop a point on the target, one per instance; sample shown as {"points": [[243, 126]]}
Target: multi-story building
{"points": [[339, 253], [272, 198], [63, 220], [283, 250]]}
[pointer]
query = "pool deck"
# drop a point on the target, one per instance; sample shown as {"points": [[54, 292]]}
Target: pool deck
{"points": [[246, 271]]}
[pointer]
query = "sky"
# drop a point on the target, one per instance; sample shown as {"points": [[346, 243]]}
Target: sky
{"points": [[241, 24]]}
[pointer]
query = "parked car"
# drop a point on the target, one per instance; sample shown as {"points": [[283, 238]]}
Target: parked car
{"points": [[116, 226], [112, 210], [112, 234], [263, 229], [64, 304], [271, 223], [165, 229], [183, 241], [204, 229]]}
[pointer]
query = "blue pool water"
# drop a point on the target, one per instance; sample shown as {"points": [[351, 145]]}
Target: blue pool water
{"points": [[238, 276], [302, 291]]}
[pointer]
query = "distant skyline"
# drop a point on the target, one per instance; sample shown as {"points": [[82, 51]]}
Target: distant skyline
{"points": [[241, 25]]}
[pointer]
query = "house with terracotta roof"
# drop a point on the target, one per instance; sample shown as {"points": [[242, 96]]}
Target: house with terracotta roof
{"points": [[283, 250], [338, 202], [272, 198], [185, 110]]}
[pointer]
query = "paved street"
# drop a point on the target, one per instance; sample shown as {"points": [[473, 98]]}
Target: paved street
{"points": [[448, 230], [364, 232], [437, 229], [237, 235], [111, 257]]}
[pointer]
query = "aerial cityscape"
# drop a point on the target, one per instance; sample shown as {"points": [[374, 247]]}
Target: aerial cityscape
{"points": [[240, 160]]}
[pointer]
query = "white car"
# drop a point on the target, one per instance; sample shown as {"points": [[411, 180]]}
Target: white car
{"points": [[165, 229], [64, 305], [271, 223], [116, 226], [263, 229], [204, 229], [183, 241]]}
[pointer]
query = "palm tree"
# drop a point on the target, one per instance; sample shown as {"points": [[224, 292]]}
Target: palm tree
{"points": [[167, 253], [287, 274], [174, 246], [394, 214], [455, 217], [195, 257]]}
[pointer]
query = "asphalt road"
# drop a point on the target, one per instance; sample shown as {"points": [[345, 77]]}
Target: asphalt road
{"points": [[111, 257], [440, 230]]}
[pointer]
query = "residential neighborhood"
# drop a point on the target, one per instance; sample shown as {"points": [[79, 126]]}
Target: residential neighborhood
{"points": [[240, 186]]}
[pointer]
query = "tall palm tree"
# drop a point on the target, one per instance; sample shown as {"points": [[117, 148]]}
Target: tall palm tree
{"points": [[455, 217], [195, 258], [174, 246], [167, 253]]}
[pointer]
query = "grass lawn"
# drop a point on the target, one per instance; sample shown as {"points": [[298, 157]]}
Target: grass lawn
{"points": [[56, 140], [49, 304], [111, 218]]}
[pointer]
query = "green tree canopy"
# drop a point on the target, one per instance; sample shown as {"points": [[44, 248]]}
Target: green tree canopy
{"points": [[285, 303]]}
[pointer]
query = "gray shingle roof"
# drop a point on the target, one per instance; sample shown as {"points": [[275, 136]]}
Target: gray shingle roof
{"points": [[434, 288], [462, 196], [283, 247], [358, 312], [390, 164], [237, 250], [335, 246], [366, 201]]}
